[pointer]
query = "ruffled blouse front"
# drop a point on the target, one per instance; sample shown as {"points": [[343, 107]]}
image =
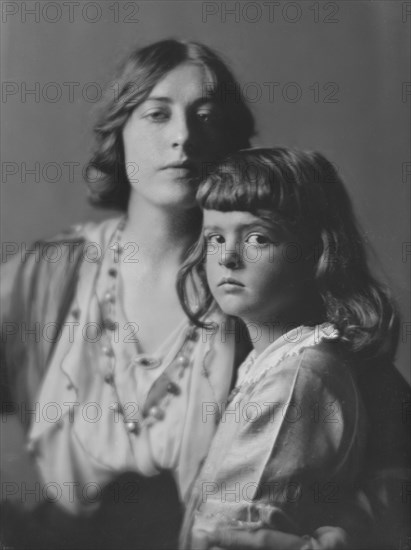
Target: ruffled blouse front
{"points": [[80, 439]]}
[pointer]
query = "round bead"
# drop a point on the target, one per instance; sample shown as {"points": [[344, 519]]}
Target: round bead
{"points": [[173, 388], [109, 296], [156, 412], [192, 334], [75, 313], [109, 324], [69, 386], [107, 351], [109, 378], [132, 427], [183, 360], [112, 272]]}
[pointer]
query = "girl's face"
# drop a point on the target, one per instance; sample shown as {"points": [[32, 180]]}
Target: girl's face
{"points": [[253, 271], [170, 136]]}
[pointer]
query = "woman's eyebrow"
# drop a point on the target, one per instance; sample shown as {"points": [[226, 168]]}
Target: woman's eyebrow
{"points": [[157, 98], [199, 101]]}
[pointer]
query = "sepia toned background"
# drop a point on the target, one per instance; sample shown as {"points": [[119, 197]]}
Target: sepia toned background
{"points": [[332, 76]]}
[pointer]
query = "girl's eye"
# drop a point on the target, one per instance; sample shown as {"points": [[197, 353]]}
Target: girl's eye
{"points": [[214, 238], [257, 239]]}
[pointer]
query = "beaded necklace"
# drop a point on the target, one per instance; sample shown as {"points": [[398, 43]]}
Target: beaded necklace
{"points": [[166, 386]]}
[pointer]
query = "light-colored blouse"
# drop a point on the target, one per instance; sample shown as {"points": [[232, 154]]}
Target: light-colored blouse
{"points": [[79, 438]]}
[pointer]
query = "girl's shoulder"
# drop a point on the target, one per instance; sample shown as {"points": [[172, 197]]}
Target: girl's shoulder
{"points": [[313, 359], [317, 345]]}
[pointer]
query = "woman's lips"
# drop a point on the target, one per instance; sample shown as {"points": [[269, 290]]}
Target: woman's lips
{"points": [[183, 165], [186, 170], [230, 282]]}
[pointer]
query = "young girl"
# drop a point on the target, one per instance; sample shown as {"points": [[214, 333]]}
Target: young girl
{"points": [[281, 251]]}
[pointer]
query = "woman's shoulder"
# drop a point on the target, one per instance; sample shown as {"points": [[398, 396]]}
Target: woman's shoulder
{"points": [[90, 231], [53, 259]]}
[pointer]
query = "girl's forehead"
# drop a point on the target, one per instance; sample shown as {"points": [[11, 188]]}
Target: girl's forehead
{"points": [[231, 220]]}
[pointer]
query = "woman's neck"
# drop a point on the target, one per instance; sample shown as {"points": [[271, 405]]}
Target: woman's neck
{"points": [[162, 235]]}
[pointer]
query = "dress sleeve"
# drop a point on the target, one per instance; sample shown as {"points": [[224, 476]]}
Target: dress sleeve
{"points": [[36, 289], [15, 279], [289, 453]]}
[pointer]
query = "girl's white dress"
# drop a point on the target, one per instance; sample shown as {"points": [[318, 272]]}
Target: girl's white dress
{"points": [[289, 445]]}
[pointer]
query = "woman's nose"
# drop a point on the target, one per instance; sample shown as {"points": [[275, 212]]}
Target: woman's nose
{"points": [[181, 133]]}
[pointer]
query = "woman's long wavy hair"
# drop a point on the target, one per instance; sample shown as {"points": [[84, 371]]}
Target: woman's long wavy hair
{"points": [[303, 193], [106, 175]]}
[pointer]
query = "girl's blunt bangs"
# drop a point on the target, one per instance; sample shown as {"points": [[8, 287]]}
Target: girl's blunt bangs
{"points": [[252, 180]]}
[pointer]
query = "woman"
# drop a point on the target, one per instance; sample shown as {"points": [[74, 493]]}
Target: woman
{"points": [[128, 413]]}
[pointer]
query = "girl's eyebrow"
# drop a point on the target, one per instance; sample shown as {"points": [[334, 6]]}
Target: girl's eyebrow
{"points": [[211, 228], [260, 223], [243, 227]]}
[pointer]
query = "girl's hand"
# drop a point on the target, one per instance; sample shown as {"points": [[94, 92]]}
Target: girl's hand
{"points": [[326, 538], [263, 539]]}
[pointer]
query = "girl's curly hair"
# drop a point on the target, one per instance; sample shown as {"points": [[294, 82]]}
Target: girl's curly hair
{"points": [[303, 193]]}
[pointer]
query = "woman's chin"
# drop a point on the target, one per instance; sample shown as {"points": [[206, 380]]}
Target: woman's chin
{"points": [[230, 306]]}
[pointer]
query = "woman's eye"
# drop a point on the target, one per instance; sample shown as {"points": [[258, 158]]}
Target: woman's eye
{"points": [[214, 238], [257, 239], [204, 116], [156, 116], [208, 116]]}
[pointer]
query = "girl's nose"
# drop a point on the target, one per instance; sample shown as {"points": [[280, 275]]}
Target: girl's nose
{"points": [[230, 259]]}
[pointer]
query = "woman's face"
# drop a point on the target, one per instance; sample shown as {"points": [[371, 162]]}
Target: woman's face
{"points": [[171, 136]]}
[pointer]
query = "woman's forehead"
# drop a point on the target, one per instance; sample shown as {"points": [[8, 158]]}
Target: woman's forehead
{"points": [[189, 81]]}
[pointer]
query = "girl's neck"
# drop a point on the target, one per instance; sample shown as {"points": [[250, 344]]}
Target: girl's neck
{"points": [[162, 235], [262, 334], [306, 311], [267, 333]]}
